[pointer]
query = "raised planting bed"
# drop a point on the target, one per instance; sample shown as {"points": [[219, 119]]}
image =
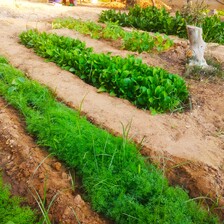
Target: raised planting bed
{"points": [[116, 179], [159, 20], [146, 87], [136, 41]]}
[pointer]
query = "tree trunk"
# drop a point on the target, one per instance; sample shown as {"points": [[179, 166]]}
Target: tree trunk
{"points": [[197, 46], [154, 3]]}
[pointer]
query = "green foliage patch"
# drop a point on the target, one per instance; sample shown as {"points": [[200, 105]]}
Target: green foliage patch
{"points": [[150, 19], [146, 87], [132, 41], [159, 20], [10, 207], [221, 12], [116, 178]]}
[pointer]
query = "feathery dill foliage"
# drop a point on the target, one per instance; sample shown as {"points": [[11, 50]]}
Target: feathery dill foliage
{"points": [[151, 88], [10, 207], [117, 180]]}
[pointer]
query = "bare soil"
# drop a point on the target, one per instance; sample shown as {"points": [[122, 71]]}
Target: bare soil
{"points": [[188, 146]]}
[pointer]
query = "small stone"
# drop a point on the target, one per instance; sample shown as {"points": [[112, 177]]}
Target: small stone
{"points": [[15, 126], [64, 175], [41, 176], [26, 173], [184, 45], [78, 201], [57, 166]]}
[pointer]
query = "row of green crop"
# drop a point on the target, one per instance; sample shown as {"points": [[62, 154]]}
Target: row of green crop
{"points": [[11, 211], [132, 41], [116, 179], [159, 20], [146, 87]]}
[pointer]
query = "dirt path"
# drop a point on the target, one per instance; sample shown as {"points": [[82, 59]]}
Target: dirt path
{"points": [[189, 146]]}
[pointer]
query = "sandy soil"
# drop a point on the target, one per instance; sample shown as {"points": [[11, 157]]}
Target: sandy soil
{"points": [[188, 146]]}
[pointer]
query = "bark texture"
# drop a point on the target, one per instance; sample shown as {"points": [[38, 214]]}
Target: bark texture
{"points": [[197, 46]]}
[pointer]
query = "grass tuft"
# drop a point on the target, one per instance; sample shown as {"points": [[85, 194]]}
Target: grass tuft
{"points": [[214, 72]]}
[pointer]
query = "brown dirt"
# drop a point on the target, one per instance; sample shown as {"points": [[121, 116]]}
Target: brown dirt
{"points": [[188, 146]]}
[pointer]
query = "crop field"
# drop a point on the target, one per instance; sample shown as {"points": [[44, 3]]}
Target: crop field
{"points": [[102, 121]]}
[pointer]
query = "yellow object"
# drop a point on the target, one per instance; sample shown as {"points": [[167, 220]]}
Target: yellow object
{"points": [[157, 3]]}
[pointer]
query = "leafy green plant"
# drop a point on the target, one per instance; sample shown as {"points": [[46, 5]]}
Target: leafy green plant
{"points": [[213, 29], [87, 27], [11, 210], [159, 20], [146, 87], [3, 60], [117, 180], [142, 41], [132, 41], [112, 31], [148, 19], [136, 41], [114, 17]]}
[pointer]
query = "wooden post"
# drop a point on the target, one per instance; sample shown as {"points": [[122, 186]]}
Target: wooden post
{"points": [[197, 46]]}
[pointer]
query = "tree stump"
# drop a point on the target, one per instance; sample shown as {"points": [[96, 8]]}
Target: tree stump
{"points": [[197, 46]]}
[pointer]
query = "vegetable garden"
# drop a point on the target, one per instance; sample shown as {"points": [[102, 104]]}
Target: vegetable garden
{"points": [[159, 20], [133, 41], [146, 87], [116, 179]]}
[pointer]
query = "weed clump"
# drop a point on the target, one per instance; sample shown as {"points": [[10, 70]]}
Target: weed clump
{"points": [[10, 207], [194, 13], [213, 72]]}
